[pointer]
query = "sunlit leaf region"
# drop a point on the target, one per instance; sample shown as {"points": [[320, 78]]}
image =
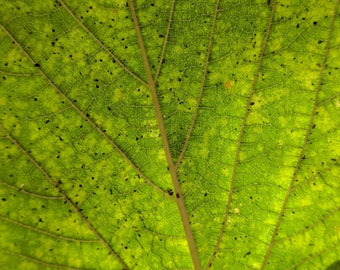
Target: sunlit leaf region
{"points": [[169, 134]]}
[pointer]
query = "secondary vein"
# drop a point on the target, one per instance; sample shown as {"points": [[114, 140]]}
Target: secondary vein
{"points": [[55, 184], [102, 44], [240, 137], [87, 118], [304, 145], [199, 98]]}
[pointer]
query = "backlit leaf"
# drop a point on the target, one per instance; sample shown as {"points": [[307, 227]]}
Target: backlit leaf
{"points": [[169, 134]]}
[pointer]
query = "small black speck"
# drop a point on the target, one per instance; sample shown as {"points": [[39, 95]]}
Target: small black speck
{"points": [[3, 199], [252, 103], [248, 253], [177, 196], [315, 23], [37, 65]]}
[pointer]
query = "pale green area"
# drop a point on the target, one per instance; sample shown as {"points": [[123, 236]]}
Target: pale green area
{"points": [[65, 101]]}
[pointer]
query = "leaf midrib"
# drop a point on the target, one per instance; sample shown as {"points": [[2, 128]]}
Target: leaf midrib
{"points": [[171, 166]]}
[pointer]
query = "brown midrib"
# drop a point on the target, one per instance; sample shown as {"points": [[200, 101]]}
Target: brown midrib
{"points": [[172, 169]]}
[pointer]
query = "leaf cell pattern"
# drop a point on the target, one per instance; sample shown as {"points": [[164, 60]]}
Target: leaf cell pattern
{"points": [[169, 134]]}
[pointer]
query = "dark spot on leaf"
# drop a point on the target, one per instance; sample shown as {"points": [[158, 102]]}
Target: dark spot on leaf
{"points": [[315, 23], [177, 196], [37, 65], [3, 199], [248, 253]]}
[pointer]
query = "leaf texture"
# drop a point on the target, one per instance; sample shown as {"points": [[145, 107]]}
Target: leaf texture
{"points": [[169, 134]]}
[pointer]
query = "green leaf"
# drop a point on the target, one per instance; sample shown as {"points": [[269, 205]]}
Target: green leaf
{"points": [[169, 134]]}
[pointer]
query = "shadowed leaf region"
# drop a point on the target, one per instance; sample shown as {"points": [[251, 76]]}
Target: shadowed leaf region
{"points": [[169, 134]]}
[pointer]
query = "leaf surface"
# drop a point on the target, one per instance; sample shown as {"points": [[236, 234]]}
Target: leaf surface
{"points": [[169, 134]]}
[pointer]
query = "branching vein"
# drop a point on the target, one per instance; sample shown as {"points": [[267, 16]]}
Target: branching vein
{"points": [[172, 169], [240, 137], [304, 145], [161, 59], [101, 44], [87, 118], [45, 232], [66, 198], [199, 98]]}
